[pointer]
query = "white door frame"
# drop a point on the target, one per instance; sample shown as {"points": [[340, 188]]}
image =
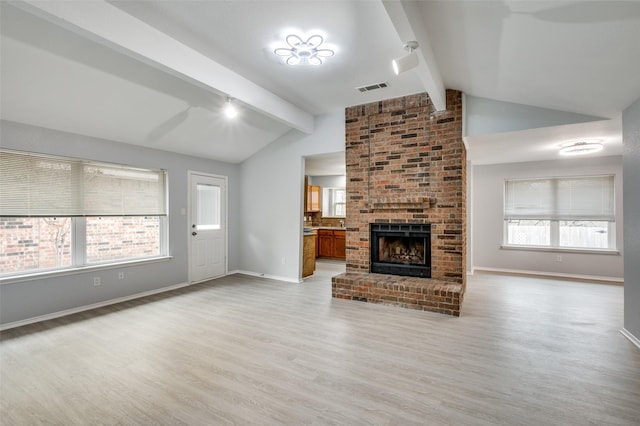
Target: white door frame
{"points": [[225, 223]]}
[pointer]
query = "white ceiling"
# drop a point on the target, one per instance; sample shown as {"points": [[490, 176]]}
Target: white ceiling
{"points": [[102, 81], [544, 143]]}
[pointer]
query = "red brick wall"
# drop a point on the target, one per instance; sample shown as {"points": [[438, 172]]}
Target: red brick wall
{"points": [[407, 164]]}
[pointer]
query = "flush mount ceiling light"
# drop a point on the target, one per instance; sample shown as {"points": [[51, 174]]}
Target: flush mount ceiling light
{"points": [[304, 52], [230, 109], [581, 148], [408, 61]]}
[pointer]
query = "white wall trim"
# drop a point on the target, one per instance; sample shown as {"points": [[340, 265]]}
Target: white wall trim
{"points": [[270, 277], [631, 337], [554, 249], [88, 307], [548, 274]]}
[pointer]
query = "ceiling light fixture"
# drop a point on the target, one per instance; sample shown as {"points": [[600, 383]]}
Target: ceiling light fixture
{"points": [[230, 109], [304, 52], [408, 61], [581, 148]]}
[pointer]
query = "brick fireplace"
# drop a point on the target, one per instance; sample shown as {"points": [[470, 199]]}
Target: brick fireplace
{"points": [[406, 165]]}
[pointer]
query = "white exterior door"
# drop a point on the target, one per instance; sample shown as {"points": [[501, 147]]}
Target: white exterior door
{"points": [[208, 229]]}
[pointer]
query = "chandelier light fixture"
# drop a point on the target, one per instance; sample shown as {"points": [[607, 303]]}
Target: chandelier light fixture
{"points": [[230, 109], [302, 52], [581, 148]]}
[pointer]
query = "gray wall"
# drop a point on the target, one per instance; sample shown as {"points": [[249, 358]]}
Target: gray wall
{"points": [[631, 158], [487, 223], [271, 193], [487, 116], [23, 300], [337, 181]]}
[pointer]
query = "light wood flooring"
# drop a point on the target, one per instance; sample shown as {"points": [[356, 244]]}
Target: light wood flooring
{"points": [[242, 350]]}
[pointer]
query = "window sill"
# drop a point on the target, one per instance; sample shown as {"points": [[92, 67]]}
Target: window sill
{"points": [[562, 249], [81, 269]]}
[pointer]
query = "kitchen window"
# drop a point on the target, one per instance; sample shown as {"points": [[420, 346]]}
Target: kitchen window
{"points": [[566, 212], [334, 202], [62, 213]]}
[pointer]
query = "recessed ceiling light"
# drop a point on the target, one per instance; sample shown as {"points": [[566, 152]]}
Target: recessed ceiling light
{"points": [[581, 148], [303, 52]]}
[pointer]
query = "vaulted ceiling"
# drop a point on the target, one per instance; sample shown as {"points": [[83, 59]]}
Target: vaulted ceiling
{"points": [[158, 73]]}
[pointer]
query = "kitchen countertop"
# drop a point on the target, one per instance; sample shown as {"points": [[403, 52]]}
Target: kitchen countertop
{"points": [[328, 227], [308, 230]]}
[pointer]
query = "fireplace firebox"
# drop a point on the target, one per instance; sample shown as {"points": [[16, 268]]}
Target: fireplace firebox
{"points": [[401, 249]]}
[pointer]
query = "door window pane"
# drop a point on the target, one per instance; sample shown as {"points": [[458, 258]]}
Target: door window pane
{"points": [[208, 205]]}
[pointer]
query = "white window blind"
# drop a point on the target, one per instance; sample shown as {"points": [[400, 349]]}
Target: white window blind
{"points": [[565, 198], [33, 185]]}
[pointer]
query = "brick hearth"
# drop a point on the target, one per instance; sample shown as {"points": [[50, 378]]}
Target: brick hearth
{"points": [[406, 163], [407, 292]]}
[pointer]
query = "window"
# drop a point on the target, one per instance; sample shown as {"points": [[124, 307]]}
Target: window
{"points": [[208, 207], [38, 243], [60, 213], [568, 212], [115, 238], [334, 202]]}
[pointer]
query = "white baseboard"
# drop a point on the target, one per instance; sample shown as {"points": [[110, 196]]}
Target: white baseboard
{"points": [[88, 307], [271, 277], [633, 339], [549, 274]]}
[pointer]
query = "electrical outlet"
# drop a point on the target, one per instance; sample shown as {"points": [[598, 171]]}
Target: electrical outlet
{"points": [[558, 258], [121, 275], [96, 281]]}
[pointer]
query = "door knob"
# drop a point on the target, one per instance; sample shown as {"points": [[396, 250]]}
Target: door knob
{"points": [[194, 233]]}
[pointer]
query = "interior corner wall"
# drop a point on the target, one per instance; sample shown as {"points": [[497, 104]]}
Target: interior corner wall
{"points": [[271, 193], [33, 298], [631, 161], [487, 116], [488, 225], [329, 181], [470, 225]]}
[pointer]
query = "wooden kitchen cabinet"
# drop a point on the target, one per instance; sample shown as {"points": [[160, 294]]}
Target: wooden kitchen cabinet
{"points": [[309, 258], [325, 243], [313, 198], [339, 244], [332, 243]]}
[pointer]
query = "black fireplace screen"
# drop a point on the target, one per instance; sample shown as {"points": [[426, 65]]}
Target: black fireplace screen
{"points": [[401, 249], [405, 250]]}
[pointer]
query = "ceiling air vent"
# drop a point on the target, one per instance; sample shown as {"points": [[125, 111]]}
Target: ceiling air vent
{"points": [[370, 87]]}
